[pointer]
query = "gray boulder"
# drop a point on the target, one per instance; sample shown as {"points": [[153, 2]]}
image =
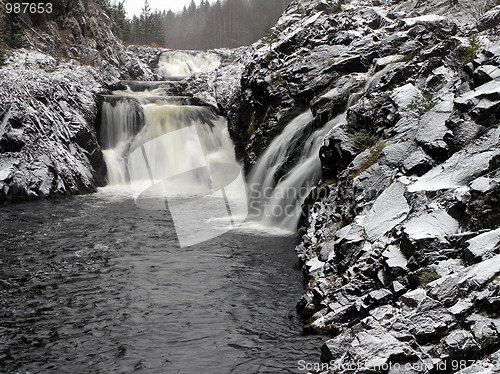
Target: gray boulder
{"points": [[489, 20]]}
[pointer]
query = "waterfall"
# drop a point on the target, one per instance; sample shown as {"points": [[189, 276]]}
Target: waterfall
{"points": [[172, 134], [181, 64], [176, 153], [118, 126], [162, 145], [276, 200], [278, 203], [174, 157], [149, 136]]}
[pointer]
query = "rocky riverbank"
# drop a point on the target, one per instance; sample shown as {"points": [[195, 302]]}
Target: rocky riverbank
{"points": [[400, 242], [401, 239], [48, 107]]}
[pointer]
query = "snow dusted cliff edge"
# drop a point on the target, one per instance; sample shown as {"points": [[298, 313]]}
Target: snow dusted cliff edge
{"points": [[48, 102], [400, 240]]}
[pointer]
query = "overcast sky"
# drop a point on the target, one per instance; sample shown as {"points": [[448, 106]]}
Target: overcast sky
{"points": [[134, 6]]}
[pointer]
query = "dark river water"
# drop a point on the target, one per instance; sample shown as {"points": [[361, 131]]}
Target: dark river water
{"points": [[92, 284]]}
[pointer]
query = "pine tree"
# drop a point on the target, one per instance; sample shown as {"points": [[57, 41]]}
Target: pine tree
{"points": [[170, 29], [121, 27], [145, 26], [156, 34], [192, 8]]}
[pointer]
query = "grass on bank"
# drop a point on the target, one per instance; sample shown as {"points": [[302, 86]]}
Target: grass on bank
{"points": [[372, 158], [428, 276]]}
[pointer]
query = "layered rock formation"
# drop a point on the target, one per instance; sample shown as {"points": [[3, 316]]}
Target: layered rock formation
{"points": [[400, 241]]}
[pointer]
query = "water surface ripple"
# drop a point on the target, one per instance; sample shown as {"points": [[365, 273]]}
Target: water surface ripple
{"points": [[92, 284]]}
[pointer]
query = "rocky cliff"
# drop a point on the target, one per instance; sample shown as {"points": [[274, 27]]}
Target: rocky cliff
{"points": [[401, 239], [48, 92]]}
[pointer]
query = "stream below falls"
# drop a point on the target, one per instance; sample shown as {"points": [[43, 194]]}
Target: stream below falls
{"points": [[93, 284]]}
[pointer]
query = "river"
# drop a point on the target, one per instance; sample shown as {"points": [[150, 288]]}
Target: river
{"points": [[93, 284]]}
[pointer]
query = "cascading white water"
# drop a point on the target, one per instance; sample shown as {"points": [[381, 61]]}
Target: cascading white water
{"points": [[167, 155], [118, 122], [117, 127], [188, 149], [261, 178], [142, 97], [278, 203], [183, 64], [179, 158]]}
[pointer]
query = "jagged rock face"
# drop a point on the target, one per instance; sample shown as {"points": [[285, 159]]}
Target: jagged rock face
{"points": [[48, 106], [80, 30], [48, 144], [401, 246], [308, 56], [489, 20]]}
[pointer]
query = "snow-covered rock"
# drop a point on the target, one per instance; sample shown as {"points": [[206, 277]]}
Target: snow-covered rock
{"points": [[371, 350], [474, 161], [48, 139], [482, 97], [449, 289], [435, 224], [432, 128], [415, 214], [413, 298], [404, 95], [428, 18], [48, 142], [389, 209], [489, 20], [481, 247], [394, 258]]}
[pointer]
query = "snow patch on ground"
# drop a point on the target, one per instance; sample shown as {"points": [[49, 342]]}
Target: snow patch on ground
{"points": [[447, 175], [394, 258], [404, 95], [428, 18], [483, 243]]}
